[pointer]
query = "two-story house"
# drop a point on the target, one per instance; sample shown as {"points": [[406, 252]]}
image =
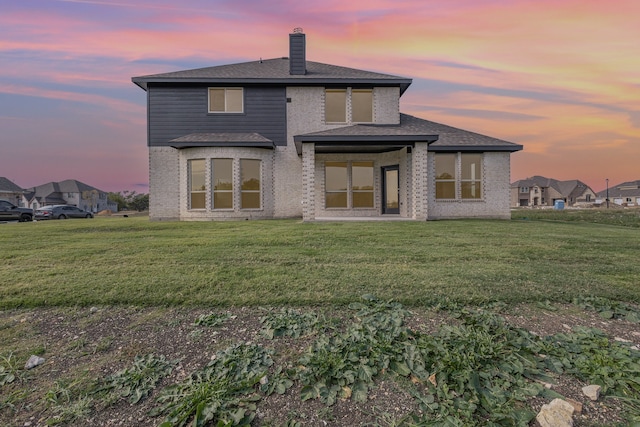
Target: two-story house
{"points": [[69, 192], [287, 137], [541, 191]]}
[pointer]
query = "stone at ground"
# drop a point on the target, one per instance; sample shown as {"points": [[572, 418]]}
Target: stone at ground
{"points": [[576, 405], [592, 391], [33, 362], [558, 413]]}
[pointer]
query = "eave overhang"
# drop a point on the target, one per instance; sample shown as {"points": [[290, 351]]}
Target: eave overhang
{"points": [[474, 148], [144, 82], [360, 143], [251, 140]]}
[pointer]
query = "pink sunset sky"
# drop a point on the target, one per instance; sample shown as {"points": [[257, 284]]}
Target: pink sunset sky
{"points": [[562, 78]]}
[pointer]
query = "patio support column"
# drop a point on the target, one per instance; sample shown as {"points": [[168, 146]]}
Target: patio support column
{"points": [[308, 181], [419, 176]]}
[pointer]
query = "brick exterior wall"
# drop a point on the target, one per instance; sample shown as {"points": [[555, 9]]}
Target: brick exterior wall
{"points": [[419, 182], [308, 182], [164, 184]]}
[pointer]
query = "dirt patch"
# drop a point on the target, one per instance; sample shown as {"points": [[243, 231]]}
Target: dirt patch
{"points": [[81, 344]]}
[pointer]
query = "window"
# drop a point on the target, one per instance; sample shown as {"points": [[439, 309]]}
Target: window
{"points": [[524, 189], [226, 100], [250, 184], [335, 105], [335, 176], [446, 176], [459, 176], [197, 185], [231, 182], [348, 181], [471, 181], [362, 105], [222, 183], [362, 184]]}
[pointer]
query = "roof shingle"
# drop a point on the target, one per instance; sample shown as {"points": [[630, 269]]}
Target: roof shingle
{"points": [[273, 71]]}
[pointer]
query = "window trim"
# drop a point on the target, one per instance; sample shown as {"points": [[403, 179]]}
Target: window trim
{"points": [[225, 100]]}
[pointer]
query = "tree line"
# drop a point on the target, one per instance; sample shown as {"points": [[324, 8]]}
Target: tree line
{"points": [[130, 200]]}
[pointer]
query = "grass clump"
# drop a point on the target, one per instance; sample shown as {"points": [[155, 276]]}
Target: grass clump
{"points": [[8, 369], [69, 400], [213, 319]]}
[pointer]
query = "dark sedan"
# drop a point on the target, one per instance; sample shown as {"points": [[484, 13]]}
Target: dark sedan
{"points": [[61, 212]]}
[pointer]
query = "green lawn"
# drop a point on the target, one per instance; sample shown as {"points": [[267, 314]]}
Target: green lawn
{"points": [[133, 261]]}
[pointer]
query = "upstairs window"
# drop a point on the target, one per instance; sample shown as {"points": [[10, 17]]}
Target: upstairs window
{"points": [[226, 100], [362, 105], [335, 105]]}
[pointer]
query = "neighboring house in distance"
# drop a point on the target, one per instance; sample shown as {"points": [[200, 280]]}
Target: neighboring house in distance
{"points": [[625, 194], [542, 191], [11, 192], [69, 192], [287, 137]]}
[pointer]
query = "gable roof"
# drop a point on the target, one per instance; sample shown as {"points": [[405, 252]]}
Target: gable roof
{"points": [[8, 186], [569, 188], [53, 189], [275, 71], [441, 138], [625, 189]]}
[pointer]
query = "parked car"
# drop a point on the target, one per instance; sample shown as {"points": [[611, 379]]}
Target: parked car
{"points": [[9, 211], [61, 212]]}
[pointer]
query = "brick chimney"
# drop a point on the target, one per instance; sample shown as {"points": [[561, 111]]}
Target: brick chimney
{"points": [[297, 53]]}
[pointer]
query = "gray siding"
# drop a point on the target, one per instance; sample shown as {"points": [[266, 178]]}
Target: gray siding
{"points": [[181, 110]]}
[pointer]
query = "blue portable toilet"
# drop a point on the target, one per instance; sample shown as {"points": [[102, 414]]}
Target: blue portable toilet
{"points": [[558, 205]]}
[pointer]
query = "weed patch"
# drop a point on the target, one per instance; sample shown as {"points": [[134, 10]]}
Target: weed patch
{"points": [[289, 322], [223, 392], [213, 319], [609, 309], [136, 382]]}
